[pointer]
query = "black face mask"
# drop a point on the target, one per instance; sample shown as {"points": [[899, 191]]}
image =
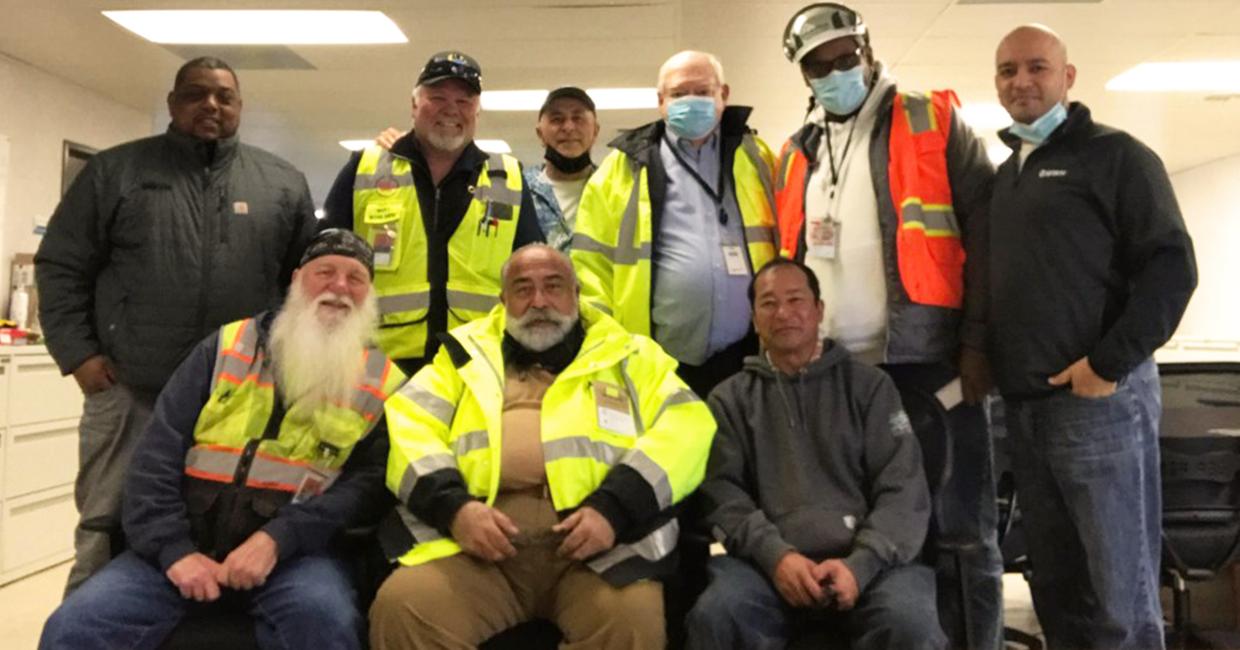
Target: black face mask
{"points": [[566, 164]]}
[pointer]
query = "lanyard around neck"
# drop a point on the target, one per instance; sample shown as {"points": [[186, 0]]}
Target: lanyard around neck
{"points": [[715, 195]]}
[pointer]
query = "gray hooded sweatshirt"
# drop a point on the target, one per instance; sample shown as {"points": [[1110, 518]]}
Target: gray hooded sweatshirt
{"points": [[824, 463]]}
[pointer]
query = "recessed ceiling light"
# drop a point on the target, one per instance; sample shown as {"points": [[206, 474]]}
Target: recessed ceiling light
{"points": [[356, 145], [624, 98], [1180, 76], [260, 27], [513, 100], [493, 146], [605, 99], [985, 116]]}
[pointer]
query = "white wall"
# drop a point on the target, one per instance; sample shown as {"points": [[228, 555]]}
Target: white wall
{"points": [[1209, 197], [38, 112]]}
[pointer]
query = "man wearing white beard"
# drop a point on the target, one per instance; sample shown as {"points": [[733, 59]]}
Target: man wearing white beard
{"points": [[268, 439], [537, 461], [440, 214]]}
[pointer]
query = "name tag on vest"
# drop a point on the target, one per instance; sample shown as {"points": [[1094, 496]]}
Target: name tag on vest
{"points": [[613, 410]]}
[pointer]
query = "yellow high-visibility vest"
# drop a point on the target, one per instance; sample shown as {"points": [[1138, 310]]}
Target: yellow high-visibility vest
{"points": [[229, 434], [386, 213]]}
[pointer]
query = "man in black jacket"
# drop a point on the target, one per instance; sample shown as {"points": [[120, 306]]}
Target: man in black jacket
{"points": [[158, 242], [267, 440], [1092, 268], [442, 215]]}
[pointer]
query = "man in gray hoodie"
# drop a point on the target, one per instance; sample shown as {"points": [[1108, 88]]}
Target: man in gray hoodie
{"points": [[815, 488]]}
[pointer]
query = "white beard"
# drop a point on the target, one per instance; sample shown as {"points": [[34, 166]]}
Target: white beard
{"points": [[540, 328], [445, 142], [318, 358]]}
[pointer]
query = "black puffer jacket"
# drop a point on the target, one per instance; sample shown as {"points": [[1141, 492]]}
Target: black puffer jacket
{"points": [[160, 241]]}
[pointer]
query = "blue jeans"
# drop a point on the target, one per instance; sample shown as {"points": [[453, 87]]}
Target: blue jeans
{"points": [[307, 602], [1089, 488], [741, 609], [969, 575]]}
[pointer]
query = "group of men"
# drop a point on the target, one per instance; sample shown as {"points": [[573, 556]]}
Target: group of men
{"points": [[697, 322]]}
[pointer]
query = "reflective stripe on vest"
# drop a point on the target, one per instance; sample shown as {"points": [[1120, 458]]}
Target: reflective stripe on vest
{"points": [[630, 257], [236, 415], [929, 252], [219, 464], [652, 548], [386, 212]]}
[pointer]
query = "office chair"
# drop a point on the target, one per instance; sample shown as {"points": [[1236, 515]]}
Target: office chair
{"points": [[1200, 447]]}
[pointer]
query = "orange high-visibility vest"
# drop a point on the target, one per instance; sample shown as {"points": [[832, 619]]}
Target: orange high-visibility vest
{"points": [[929, 251]]}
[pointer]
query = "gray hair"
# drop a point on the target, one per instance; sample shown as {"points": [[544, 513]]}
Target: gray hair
{"points": [[680, 58]]}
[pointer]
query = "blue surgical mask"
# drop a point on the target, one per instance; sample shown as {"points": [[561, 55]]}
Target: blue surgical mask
{"points": [[691, 117], [841, 92], [1042, 127]]}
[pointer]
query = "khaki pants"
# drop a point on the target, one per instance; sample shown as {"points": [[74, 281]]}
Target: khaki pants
{"points": [[461, 601]]}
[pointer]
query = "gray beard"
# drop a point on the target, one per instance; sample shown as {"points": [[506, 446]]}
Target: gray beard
{"points": [[541, 337]]}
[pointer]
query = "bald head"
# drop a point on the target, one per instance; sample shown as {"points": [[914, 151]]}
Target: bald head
{"points": [[1032, 72]]}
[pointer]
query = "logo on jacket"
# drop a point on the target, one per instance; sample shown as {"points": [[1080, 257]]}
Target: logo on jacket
{"points": [[1052, 173], [900, 424]]}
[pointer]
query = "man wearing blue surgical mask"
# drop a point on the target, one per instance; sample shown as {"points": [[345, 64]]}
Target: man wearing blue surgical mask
{"points": [[1091, 268], [882, 193], [675, 221]]}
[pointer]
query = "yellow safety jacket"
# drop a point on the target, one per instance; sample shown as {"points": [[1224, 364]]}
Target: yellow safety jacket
{"points": [[448, 418], [387, 214], [235, 440], [614, 236]]}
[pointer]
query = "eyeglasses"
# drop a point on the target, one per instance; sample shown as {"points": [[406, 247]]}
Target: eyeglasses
{"points": [[820, 69]]}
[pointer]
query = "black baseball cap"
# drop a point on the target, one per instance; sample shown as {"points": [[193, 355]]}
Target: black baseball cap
{"points": [[567, 92], [451, 64], [338, 241]]}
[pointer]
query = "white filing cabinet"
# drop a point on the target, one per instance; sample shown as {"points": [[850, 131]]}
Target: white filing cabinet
{"points": [[39, 413]]}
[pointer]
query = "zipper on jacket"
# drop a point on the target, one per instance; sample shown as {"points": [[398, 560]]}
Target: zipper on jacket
{"points": [[208, 222], [221, 212]]}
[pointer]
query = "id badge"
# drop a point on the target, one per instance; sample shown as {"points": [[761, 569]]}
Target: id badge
{"points": [[383, 240], [823, 237], [613, 410], [312, 484], [734, 259]]}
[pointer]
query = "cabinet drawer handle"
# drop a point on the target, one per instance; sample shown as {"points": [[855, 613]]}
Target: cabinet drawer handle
{"points": [[42, 503], [37, 367]]}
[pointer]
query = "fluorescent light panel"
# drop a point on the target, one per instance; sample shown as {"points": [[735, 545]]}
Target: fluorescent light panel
{"points": [[604, 99], [1180, 77], [260, 27], [985, 116], [493, 146]]}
